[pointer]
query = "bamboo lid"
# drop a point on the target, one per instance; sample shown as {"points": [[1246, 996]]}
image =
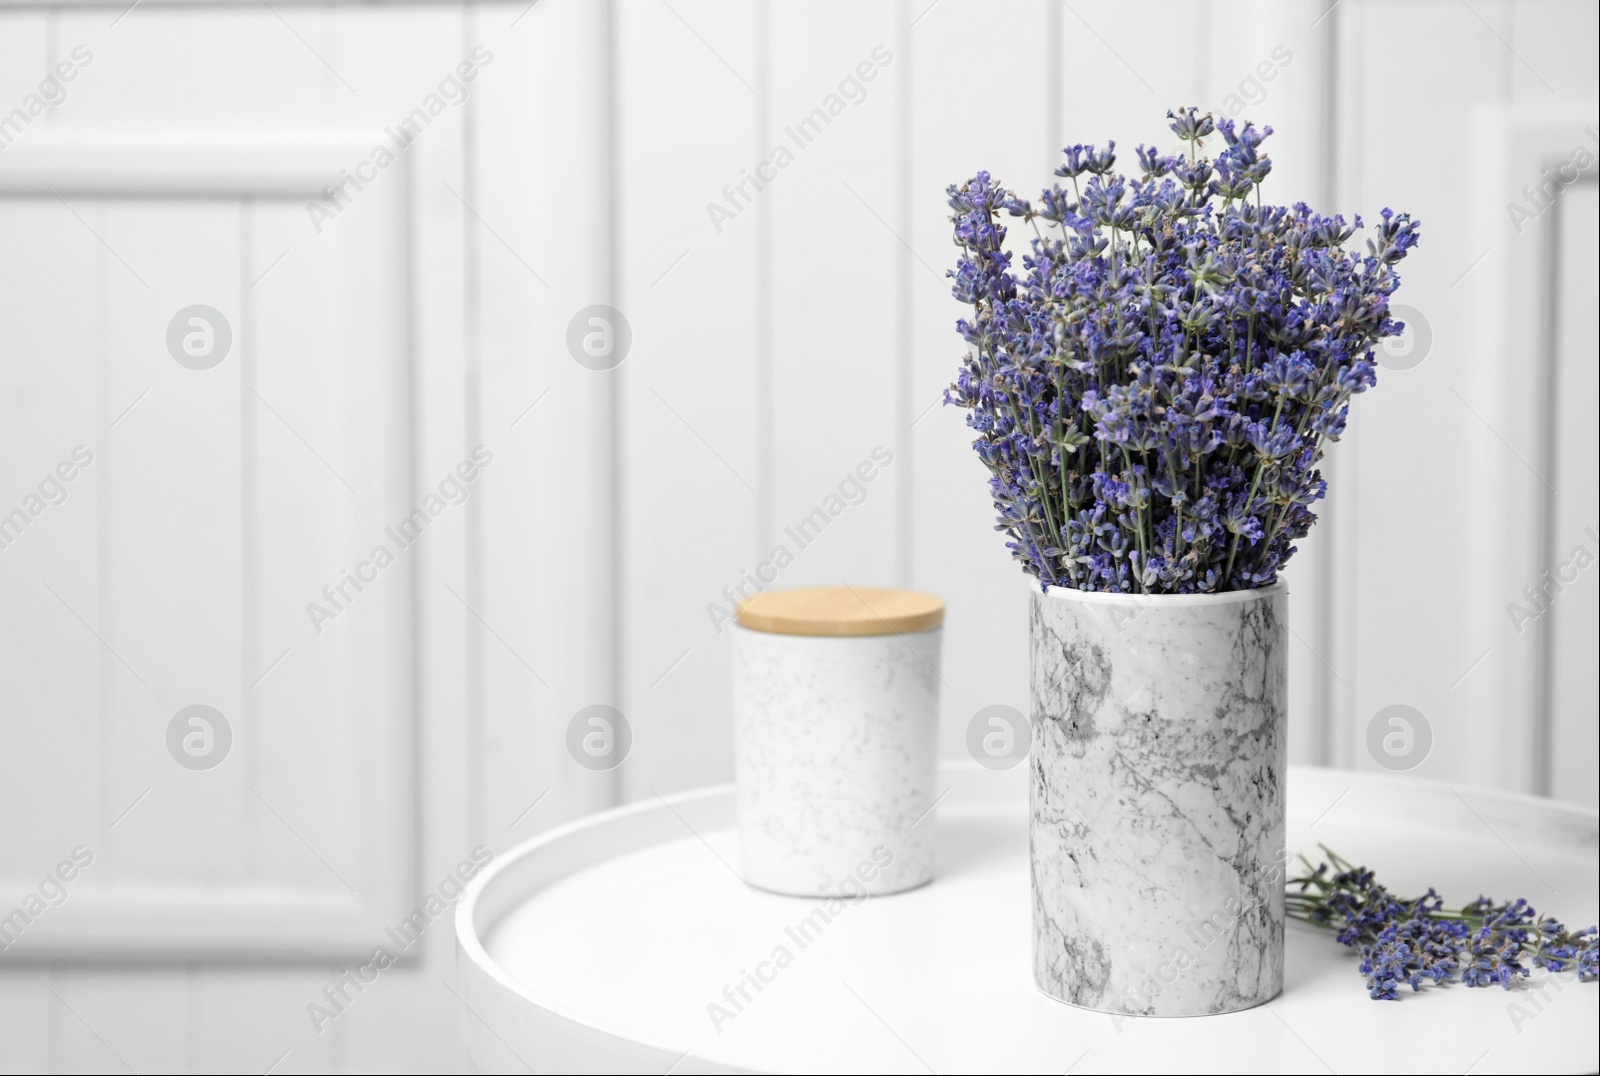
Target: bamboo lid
{"points": [[841, 611]]}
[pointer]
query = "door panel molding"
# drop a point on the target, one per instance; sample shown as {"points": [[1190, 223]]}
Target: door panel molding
{"points": [[271, 901]]}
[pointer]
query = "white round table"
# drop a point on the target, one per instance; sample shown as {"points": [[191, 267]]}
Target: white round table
{"points": [[604, 945]]}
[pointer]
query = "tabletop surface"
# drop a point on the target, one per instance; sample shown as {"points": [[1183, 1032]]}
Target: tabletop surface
{"points": [[644, 943]]}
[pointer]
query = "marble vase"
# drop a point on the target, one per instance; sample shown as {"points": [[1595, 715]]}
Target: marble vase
{"points": [[1157, 799]]}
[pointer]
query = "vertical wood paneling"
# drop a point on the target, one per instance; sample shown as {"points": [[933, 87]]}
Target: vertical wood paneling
{"points": [[1340, 518], [1424, 619], [690, 429], [1404, 467], [120, 1020], [956, 553], [547, 534], [405, 1020], [835, 252], [327, 353], [1553, 64], [308, 526], [906, 284], [1452, 446], [1557, 77], [1506, 292], [173, 608], [414, 232], [1574, 518], [412, 1024], [25, 1021], [48, 659], [243, 1020]]}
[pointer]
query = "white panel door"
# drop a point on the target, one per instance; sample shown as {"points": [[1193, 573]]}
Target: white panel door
{"points": [[1461, 473], [203, 439], [1570, 681]]}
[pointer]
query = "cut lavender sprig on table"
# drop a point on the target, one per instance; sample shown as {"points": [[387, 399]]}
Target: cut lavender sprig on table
{"points": [[1153, 393], [1417, 942]]}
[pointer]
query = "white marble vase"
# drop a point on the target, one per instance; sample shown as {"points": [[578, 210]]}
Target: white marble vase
{"points": [[836, 756], [1157, 799]]}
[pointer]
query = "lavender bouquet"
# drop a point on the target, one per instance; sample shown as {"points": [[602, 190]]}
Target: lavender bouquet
{"points": [[1417, 942], [1153, 394]]}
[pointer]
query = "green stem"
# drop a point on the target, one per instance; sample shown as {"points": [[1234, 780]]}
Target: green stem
{"points": [[1233, 546], [1138, 521]]}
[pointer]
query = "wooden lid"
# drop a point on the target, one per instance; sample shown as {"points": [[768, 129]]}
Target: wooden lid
{"points": [[837, 611]]}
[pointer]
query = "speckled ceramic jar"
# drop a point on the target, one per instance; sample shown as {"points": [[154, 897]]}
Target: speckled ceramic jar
{"points": [[1157, 833], [835, 714]]}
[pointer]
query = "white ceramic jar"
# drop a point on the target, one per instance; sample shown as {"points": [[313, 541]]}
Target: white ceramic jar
{"points": [[836, 714]]}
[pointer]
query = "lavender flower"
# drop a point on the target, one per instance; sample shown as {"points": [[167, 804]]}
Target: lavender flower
{"points": [[1153, 390], [1417, 943]]}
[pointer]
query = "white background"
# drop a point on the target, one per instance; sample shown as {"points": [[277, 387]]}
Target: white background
{"points": [[769, 356]]}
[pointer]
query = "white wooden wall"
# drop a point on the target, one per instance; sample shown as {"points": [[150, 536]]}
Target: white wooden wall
{"points": [[1466, 475], [771, 354]]}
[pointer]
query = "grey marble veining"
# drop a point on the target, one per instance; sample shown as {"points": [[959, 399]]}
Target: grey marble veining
{"points": [[1157, 800]]}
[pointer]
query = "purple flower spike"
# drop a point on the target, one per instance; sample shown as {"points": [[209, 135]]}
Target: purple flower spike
{"points": [[1153, 385], [1416, 943]]}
